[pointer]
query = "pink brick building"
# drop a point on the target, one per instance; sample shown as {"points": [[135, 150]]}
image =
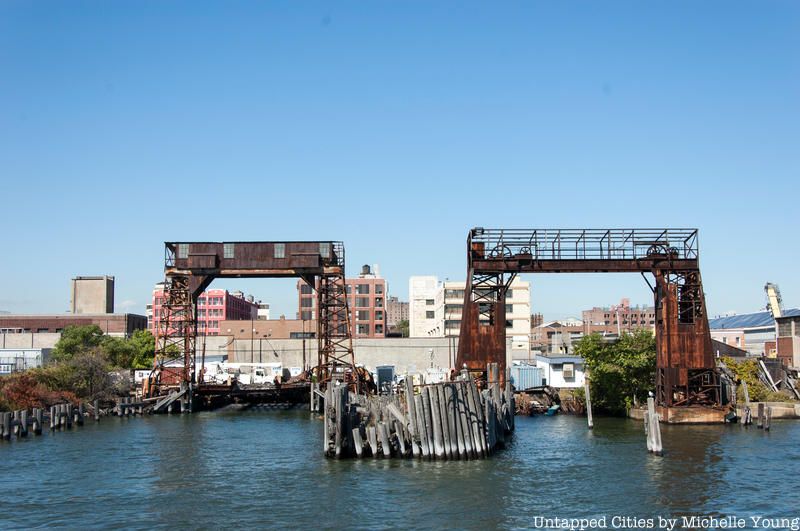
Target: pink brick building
{"points": [[213, 306]]}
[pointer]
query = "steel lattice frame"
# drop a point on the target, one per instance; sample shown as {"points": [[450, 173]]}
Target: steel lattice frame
{"points": [[176, 333], [335, 352]]}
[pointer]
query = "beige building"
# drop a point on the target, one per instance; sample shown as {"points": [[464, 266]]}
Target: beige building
{"points": [[435, 309], [92, 295], [425, 307]]}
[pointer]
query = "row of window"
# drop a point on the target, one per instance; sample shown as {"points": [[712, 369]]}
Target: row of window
{"points": [[363, 329], [634, 322], [358, 302], [361, 289]]}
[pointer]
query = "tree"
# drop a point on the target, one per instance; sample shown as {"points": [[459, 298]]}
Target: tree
{"points": [[403, 327], [144, 349], [619, 371], [76, 339]]}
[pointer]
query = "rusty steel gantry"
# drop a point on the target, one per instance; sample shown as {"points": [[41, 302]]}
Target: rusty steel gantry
{"points": [[190, 267], [686, 371]]}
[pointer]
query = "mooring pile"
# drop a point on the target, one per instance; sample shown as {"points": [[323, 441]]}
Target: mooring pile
{"points": [[449, 420]]}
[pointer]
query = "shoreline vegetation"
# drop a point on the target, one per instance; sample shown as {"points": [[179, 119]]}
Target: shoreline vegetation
{"points": [[85, 365]]}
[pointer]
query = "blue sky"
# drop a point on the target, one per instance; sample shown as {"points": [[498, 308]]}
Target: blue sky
{"points": [[395, 126]]}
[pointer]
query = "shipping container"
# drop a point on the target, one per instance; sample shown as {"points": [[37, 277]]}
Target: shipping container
{"points": [[526, 376]]}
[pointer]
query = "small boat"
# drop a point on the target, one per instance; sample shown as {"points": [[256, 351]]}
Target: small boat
{"points": [[552, 410]]}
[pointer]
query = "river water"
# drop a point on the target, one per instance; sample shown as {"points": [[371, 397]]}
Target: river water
{"points": [[257, 469]]}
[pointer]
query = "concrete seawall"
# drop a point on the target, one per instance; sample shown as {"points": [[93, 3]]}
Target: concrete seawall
{"points": [[698, 415]]}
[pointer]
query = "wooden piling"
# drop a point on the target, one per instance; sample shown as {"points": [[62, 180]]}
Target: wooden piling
{"points": [[436, 421], [372, 438], [768, 418], [420, 414], [589, 419], [96, 410], [465, 431], [427, 420], [760, 421], [451, 415], [445, 426], [383, 432], [411, 414], [401, 443], [653, 428], [477, 436], [6, 425], [358, 442]]}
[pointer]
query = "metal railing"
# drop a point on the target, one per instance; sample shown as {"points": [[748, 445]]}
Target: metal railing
{"points": [[585, 244]]}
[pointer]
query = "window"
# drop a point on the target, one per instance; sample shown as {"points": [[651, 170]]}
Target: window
{"points": [[429, 302], [302, 335], [325, 249], [509, 308], [280, 250], [362, 289], [362, 302], [362, 315], [305, 316], [362, 329], [429, 315], [227, 250], [569, 370], [379, 302], [379, 329], [454, 293], [378, 315], [378, 289], [307, 302], [42, 330], [510, 294], [183, 250], [305, 289]]}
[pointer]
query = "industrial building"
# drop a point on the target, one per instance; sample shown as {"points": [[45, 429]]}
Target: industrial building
{"points": [[753, 332], [21, 359], [92, 295], [113, 324]]}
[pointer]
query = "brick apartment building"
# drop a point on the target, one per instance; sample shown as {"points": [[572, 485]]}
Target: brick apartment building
{"points": [[396, 311], [213, 307], [618, 318], [366, 297]]}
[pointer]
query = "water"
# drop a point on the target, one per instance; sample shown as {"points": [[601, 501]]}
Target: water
{"points": [[265, 469]]}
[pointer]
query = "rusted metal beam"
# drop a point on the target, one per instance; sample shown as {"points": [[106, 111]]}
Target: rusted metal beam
{"points": [[190, 267], [685, 359]]}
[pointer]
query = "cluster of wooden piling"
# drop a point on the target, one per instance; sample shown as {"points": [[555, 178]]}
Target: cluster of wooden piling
{"points": [[19, 423], [450, 420], [764, 415], [61, 416]]}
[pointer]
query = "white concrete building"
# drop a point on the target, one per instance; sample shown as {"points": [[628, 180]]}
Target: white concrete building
{"points": [[562, 371], [436, 307], [425, 307]]}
